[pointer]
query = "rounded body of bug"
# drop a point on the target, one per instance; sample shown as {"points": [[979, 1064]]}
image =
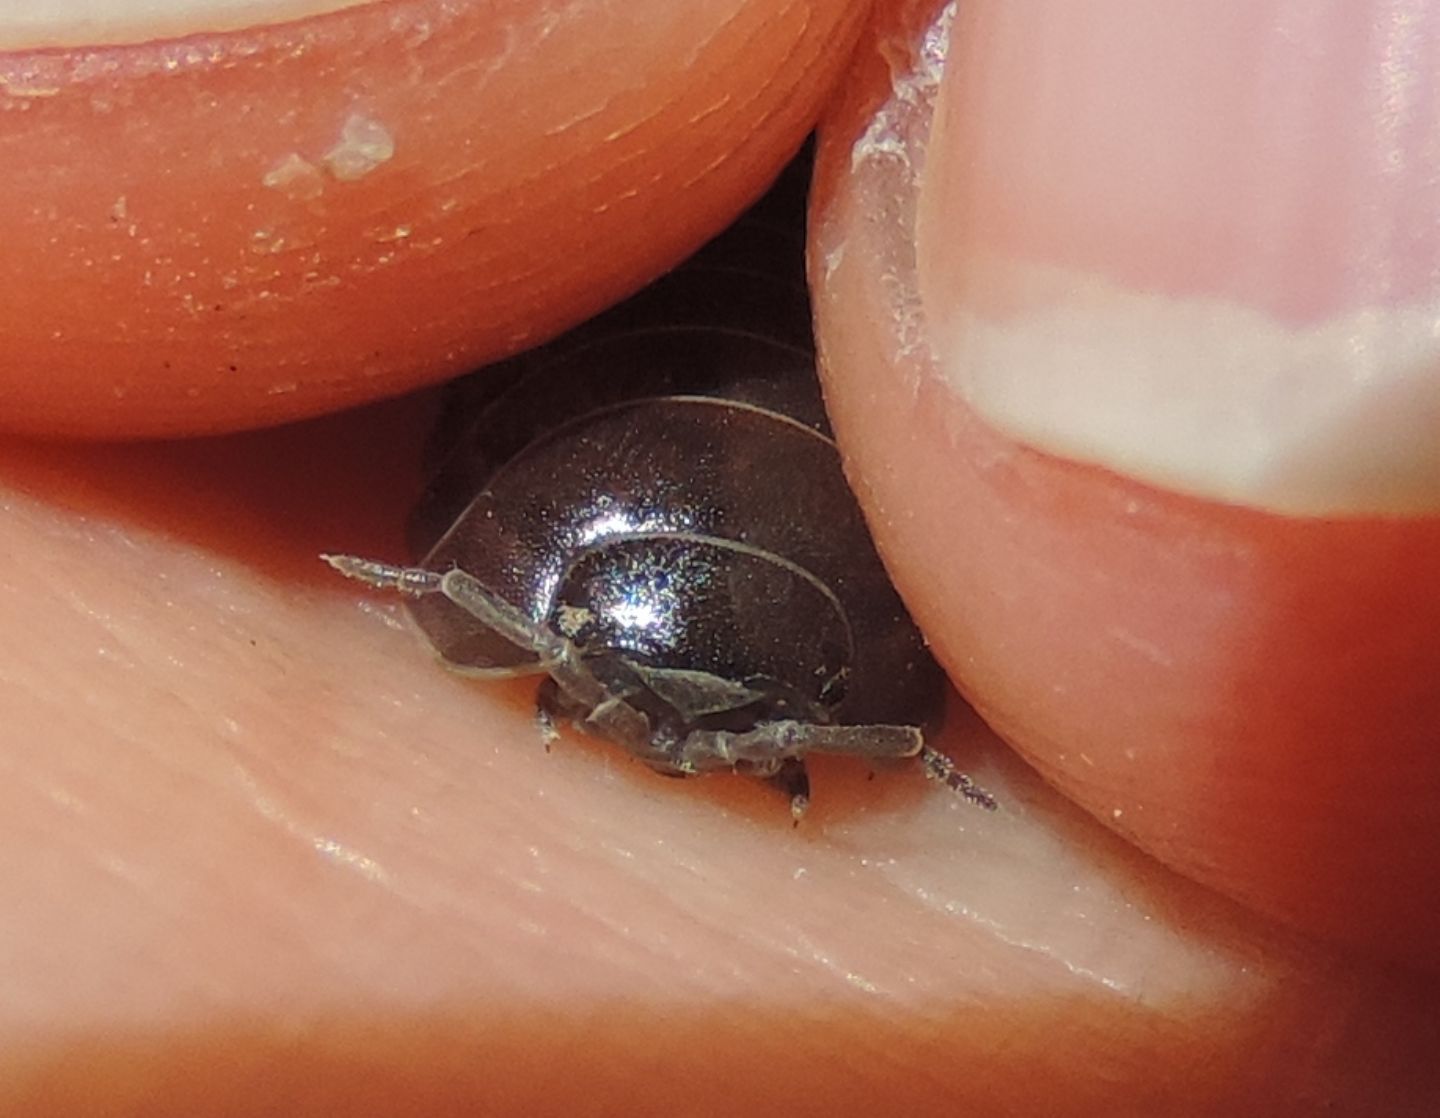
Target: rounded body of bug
{"points": [[650, 511]]}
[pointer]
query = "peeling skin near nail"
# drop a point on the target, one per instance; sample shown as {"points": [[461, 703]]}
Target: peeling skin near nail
{"points": [[915, 65], [915, 71]]}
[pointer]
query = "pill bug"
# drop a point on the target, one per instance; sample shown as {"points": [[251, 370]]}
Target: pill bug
{"points": [[650, 513]]}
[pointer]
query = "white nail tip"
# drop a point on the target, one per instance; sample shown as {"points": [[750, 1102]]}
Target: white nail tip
{"points": [[1206, 396], [59, 23]]}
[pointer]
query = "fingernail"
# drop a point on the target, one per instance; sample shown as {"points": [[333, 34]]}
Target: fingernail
{"points": [[1197, 244], [24, 26]]}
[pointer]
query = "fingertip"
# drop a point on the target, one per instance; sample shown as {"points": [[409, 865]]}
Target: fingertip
{"points": [[1216, 286], [1217, 683], [259, 223]]}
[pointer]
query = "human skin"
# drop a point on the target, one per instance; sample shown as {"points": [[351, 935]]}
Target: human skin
{"points": [[256, 224], [1266, 581], [261, 854]]}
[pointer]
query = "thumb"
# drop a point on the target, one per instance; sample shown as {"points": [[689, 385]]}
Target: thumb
{"points": [[1162, 481]]}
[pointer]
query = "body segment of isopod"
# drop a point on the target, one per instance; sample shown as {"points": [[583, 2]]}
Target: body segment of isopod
{"points": [[650, 514]]}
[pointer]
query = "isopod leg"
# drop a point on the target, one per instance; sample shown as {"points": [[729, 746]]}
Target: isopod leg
{"points": [[578, 689], [794, 782], [778, 741], [772, 750], [547, 706], [603, 713], [410, 581], [500, 617], [940, 767], [772, 746]]}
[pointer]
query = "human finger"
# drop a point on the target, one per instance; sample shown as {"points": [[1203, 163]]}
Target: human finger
{"points": [[1231, 663], [224, 215]]}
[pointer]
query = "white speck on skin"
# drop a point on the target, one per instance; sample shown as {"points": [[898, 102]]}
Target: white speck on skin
{"points": [[364, 145], [390, 233], [296, 178], [264, 242]]}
